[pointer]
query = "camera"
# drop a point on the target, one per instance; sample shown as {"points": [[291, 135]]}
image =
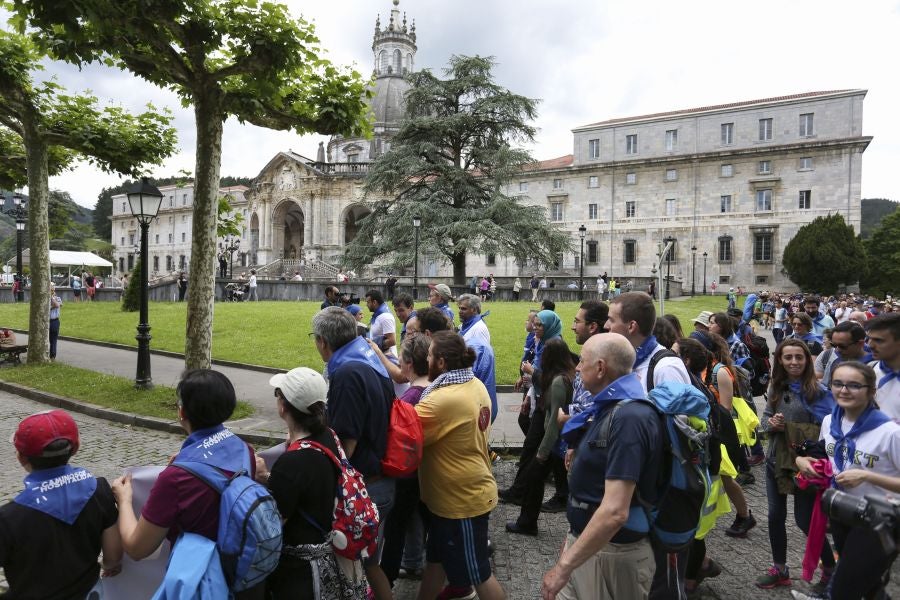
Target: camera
{"points": [[879, 513], [348, 298]]}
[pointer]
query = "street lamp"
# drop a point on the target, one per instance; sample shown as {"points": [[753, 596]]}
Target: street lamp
{"points": [[704, 273], [581, 231], [19, 213], [670, 245], [693, 269], [144, 200], [231, 245], [417, 222]]}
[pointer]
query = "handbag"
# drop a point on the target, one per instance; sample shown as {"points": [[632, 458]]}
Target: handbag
{"points": [[330, 581]]}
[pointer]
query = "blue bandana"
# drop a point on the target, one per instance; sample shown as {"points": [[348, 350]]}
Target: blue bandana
{"points": [[645, 350], [60, 492], [870, 419], [216, 446], [356, 351], [627, 387], [378, 312], [403, 328], [467, 325], [822, 405], [889, 374], [811, 337]]}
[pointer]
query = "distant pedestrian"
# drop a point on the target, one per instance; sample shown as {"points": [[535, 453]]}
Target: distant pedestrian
{"points": [[391, 285], [55, 304], [182, 286], [651, 289], [90, 282], [223, 266], [533, 284], [517, 287], [252, 285]]}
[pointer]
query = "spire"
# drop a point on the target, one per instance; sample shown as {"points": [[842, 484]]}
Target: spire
{"points": [[377, 24]]}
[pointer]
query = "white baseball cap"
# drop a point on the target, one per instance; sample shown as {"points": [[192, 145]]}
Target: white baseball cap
{"points": [[302, 387]]}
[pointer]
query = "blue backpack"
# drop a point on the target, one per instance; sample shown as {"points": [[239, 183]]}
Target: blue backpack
{"points": [[249, 537]]}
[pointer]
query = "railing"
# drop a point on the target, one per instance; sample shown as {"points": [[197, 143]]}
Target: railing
{"points": [[270, 268], [342, 168], [322, 268]]}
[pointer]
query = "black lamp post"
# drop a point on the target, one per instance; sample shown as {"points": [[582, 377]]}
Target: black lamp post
{"points": [[144, 200], [704, 273], [581, 231], [232, 244], [417, 222], [669, 240], [19, 213], [693, 269]]}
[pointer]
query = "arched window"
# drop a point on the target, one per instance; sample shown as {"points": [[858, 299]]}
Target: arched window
{"points": [[383, 61], [398, 62], [409, 63]]}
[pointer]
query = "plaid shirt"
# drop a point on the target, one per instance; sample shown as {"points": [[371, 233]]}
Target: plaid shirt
{"points": [[454, 377], [739, 351]]}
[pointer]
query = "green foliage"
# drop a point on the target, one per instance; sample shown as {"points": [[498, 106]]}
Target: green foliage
{"points": [[883, 251], [825, 254], [873, 210], [102, 213], [228, 221], [131, 299], [449, 164]]}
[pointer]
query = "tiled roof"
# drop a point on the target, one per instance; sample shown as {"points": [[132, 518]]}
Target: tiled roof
{"points": [[703, 109], [553, 163]]}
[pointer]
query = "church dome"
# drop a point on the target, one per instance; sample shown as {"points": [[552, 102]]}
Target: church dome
{"points": [[388, 103]]}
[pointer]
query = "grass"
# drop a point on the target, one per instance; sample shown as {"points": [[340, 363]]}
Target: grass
{"points": [[101, 389], [275, 334]]}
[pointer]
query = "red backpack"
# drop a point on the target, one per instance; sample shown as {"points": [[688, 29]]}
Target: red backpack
{"points": [[403, 452], [354, 529]]}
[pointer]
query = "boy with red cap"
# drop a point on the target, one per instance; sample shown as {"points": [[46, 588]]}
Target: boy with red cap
{"points": [[53, 531]]}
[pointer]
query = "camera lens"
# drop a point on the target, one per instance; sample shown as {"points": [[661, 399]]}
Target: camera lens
{"points": [[842, 507]]}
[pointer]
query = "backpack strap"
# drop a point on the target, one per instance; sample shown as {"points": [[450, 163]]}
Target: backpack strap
{"points": [[212, 476], [664, 353], [334, 460], [602, 439]]}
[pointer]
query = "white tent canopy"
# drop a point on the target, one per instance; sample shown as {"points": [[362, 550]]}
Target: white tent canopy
{"points": [[65, 258]]}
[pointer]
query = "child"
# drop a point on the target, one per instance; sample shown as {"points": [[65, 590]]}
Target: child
{"points": [[63, 508]]}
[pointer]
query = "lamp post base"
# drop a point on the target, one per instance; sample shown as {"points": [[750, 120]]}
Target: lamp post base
{"points": [[143, 380]]}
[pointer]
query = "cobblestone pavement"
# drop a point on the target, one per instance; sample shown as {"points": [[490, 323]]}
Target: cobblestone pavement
{"points": [[519, 561]]}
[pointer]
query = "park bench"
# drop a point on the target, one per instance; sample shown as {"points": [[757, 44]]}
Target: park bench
{"points": [[11, 354]]}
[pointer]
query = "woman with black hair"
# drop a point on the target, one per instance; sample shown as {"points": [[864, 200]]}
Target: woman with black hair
{"points": [[555, 380]]}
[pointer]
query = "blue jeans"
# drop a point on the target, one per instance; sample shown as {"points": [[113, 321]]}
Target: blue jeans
{"points": [[54, 335], [382, 492], [804, 503]]}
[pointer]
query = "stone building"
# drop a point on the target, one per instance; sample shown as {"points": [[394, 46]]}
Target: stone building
{"points": [[731, 184]]}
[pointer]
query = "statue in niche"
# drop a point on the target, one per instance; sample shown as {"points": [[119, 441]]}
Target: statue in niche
{"points": [[286, 181]]}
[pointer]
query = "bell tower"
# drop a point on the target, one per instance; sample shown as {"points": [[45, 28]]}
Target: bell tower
{"points": [[394, 46]]}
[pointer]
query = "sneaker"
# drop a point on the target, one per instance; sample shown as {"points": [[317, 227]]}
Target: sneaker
{"points": [[773, 578], [410, 573], [801, 596], [554, 505], [745, 479], [820, 588], [755, 459], [741, 526], [457, 593], [708, 572]]}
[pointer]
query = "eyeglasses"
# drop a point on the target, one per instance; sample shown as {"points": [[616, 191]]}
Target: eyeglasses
{"points": [[851, 386], [843, 346], [798, 324]]}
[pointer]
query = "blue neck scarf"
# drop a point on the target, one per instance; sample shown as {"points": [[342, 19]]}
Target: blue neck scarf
{"points": [[216, 446], [61, 492], [445, 308], [403, 328], [811, 337], [356, 351], [627, 387], [870, 419], [821, 406], [467, 325], [889, 374], [645, 350], [382, 308]]}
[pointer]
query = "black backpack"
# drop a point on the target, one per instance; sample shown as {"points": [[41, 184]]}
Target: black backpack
{"points": [[759, 360]]}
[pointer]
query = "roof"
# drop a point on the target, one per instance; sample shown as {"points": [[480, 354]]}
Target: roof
{"points": [[553, 163], [66, 258], [712, 108]]}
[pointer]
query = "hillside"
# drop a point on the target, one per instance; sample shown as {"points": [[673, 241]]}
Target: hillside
{"points": [[873, 211]]}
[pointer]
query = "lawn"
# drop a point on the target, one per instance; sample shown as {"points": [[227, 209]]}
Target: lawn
{"points": [[275, 334]]}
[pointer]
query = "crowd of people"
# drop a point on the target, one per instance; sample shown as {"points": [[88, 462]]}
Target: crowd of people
{"points": [[592, 417]]}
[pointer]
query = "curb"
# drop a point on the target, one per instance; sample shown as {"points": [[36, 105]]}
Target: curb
{"points": [[115, 416]]}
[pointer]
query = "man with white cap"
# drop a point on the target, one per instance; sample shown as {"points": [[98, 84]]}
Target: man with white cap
{"points": [[440, 297]]}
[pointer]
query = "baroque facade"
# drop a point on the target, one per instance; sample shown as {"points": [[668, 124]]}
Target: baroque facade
{"points": [[731, 184]]}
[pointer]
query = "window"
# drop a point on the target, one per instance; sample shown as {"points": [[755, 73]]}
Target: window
{"points": [[762, 247], [557, 184], [184, 218], [806, 125], [123, 241], [491, 260], [156, 263], [727, 134], [629, 209], [631, 144], [121, 263], [763, 200], [171, 239], [671, 174], [592, 211], [593, 148], [725, 203], [523, 186], [727, 170], [630, 252], [169, 264], [762, 279], [556, 211], [182, 263], [183, 234], [630, 178], [184, 199], [765, 167], [765, 130], [806, 163], [725, 249], [593, 181], [671, 139], [131, 239], [123, 207], [724, 278], [671, 255], [130, 261], [592, 256], [805, 199], [171, 201], [671, 207], [156, 239]]}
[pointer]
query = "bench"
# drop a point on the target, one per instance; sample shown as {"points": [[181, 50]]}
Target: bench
{"points": [[11, 354]]}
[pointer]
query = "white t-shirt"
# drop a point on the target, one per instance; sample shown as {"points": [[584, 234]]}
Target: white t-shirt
{"points": [[780, 318], [253, 281], [669, 368], [877, 451], [843, 314], [888, 395], [383, 325]]}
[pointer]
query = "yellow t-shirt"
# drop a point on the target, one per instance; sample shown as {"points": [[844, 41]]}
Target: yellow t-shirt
{"points": [[455, 476]]}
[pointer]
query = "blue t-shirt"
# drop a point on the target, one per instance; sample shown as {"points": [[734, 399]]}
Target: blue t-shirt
{"points": [[634, 453], [359, 408]]}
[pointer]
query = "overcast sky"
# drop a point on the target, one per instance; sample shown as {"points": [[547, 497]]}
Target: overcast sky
{"points": [[586, 61]]}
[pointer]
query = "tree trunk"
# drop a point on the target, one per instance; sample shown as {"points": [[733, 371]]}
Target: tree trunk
{"points": [[38, 243], [459, 269], [198, 341]]}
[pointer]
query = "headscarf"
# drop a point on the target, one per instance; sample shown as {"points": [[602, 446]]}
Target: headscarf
{"points": [[552, 329]]}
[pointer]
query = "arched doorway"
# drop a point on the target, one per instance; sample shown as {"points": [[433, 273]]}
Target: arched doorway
{"points": [[254, 239], [352, 218], [287, 230]]}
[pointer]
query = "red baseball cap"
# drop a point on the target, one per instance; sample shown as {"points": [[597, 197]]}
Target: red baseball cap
{"points": [[38, 431]]}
